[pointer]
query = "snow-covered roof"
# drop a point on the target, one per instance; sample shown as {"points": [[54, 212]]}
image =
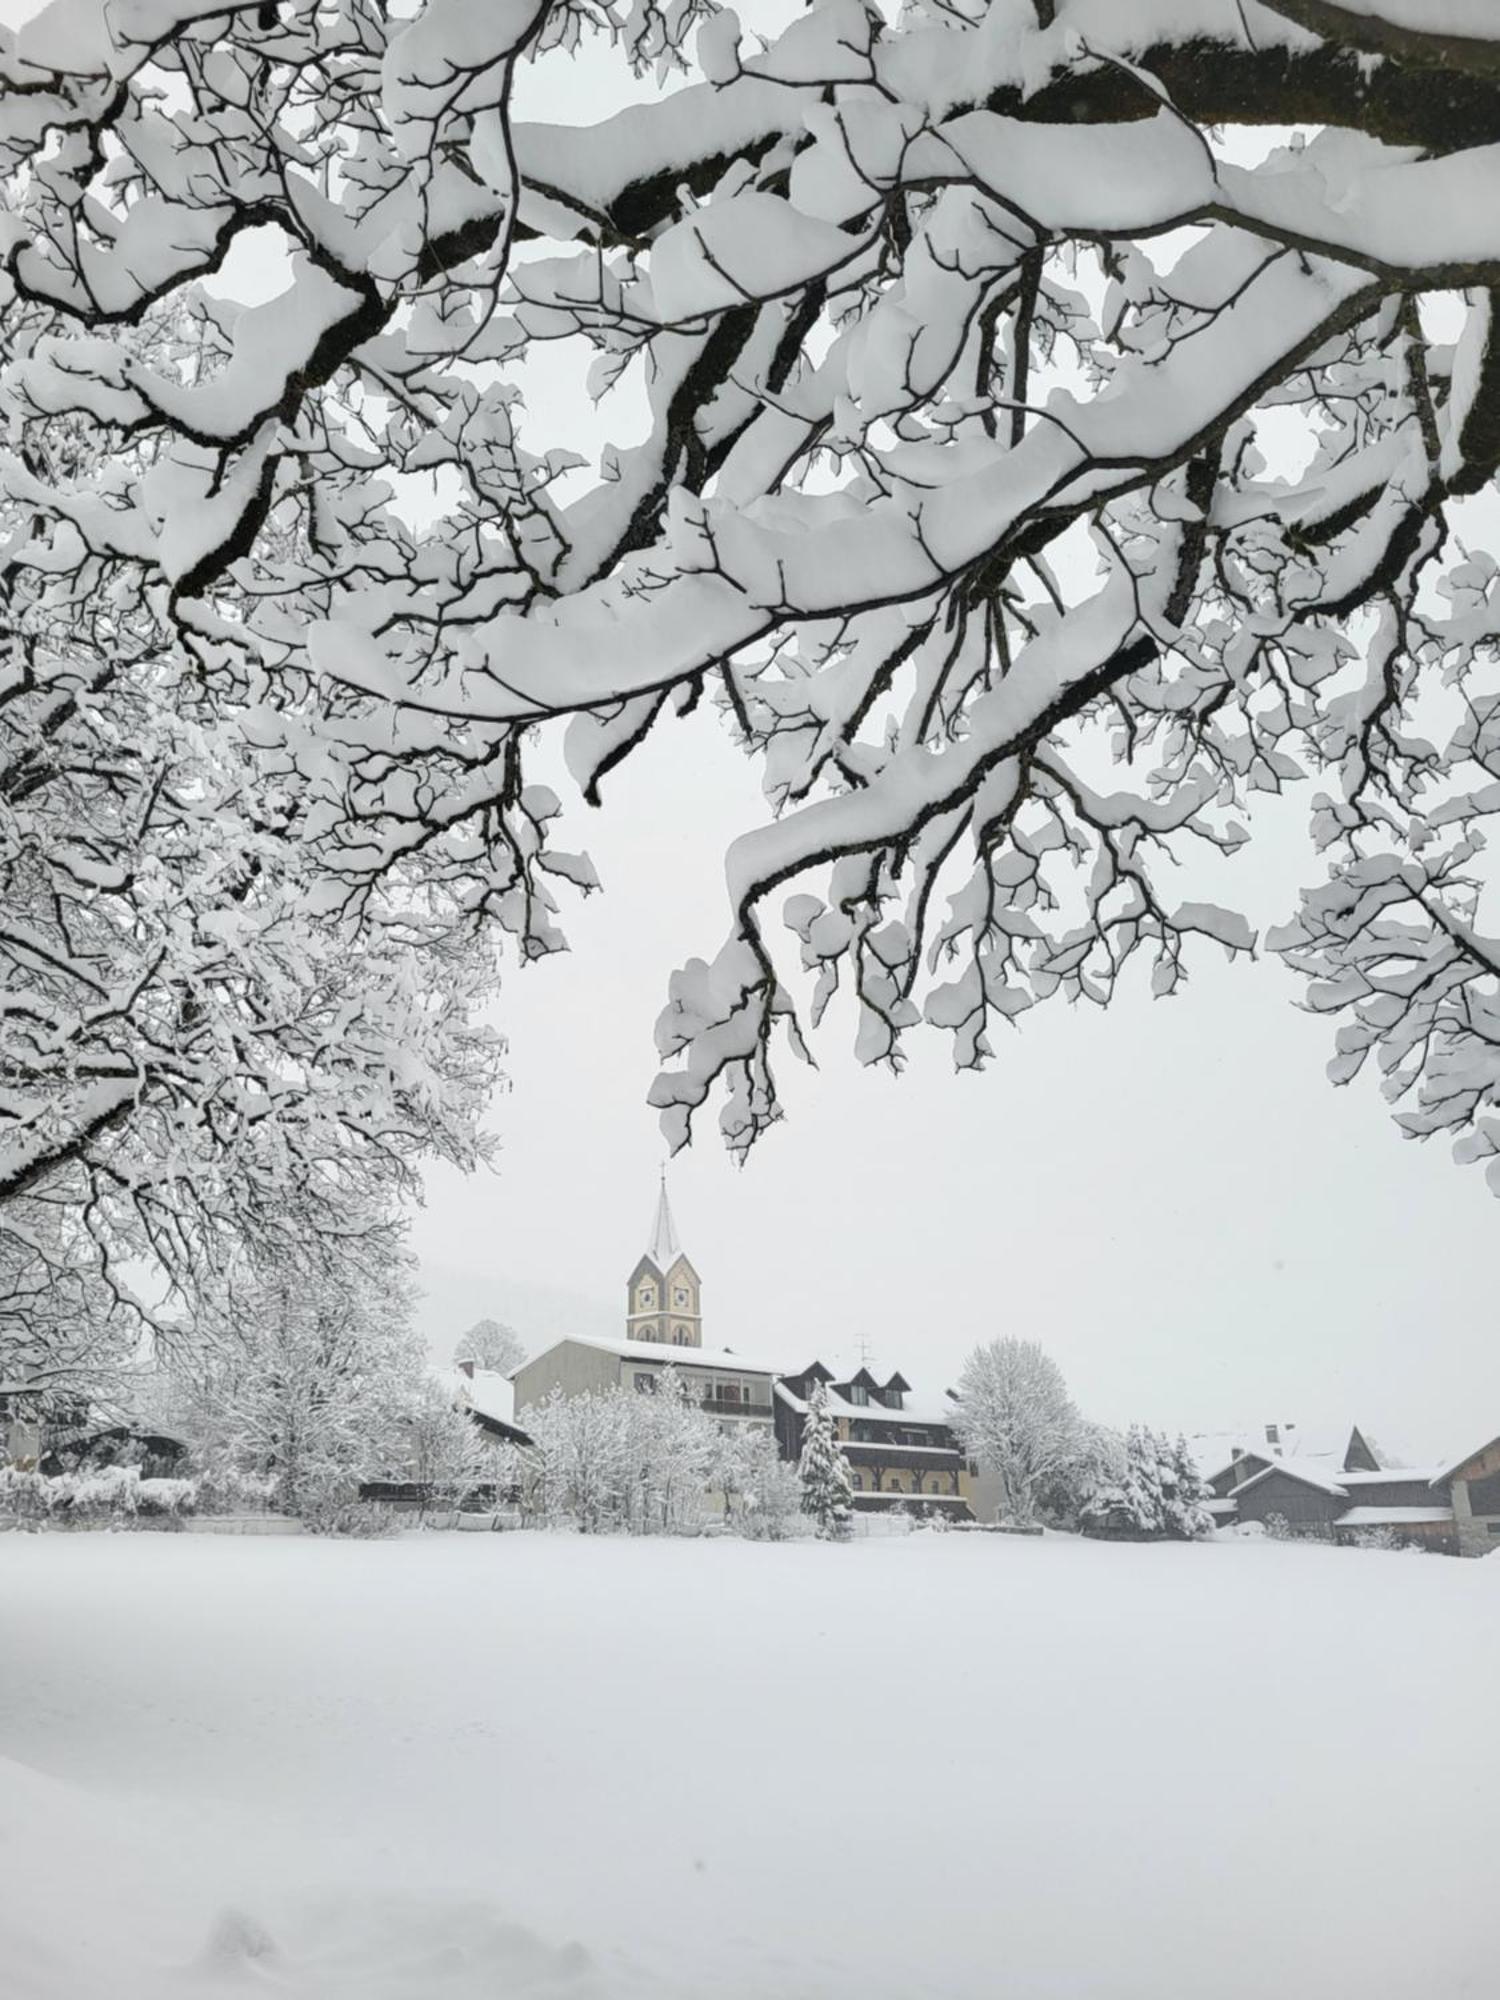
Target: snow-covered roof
{"points": [[1225, 1507], [1455, 1464], [1394, 1475], [1308, 1475], [1391, 1517], [917, 1407], [681, 1357], [489, 1394], [1215, 1452]]}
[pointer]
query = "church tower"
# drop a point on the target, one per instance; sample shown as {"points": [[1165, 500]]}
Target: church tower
{"points": [[664, 1297]]}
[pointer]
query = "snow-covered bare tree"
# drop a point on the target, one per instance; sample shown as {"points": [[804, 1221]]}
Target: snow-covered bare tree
{"points": [[581, 1446], [645, 1463], [762, 1493], [1050, 427], [434, 1442], [490, 1343], [64, 1330], [203, 1051], [673, 1447], [827, 1484], [303, 1378], [1014, 1415]]}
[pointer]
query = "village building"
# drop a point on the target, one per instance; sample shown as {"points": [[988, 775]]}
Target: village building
{"points": [[490, 1399], [1473, 1486], [1340, 1485], [35, 1423], [900, 1444], [663, 1328]]}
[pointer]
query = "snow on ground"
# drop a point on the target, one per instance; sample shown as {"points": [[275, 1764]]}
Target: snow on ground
{"points": [[470, 1767]]}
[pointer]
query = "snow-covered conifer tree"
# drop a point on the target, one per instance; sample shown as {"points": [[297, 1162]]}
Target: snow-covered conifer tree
{"points": [[1145, 1500], [827, 1488], [1189, 1518]]}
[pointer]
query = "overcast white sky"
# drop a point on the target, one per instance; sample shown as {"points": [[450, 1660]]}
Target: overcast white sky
{"points": [[1169, 1196]]}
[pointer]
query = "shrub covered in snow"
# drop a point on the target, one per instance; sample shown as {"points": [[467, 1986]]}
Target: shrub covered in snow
{"points": [[107, 1494], [617, 1461]]}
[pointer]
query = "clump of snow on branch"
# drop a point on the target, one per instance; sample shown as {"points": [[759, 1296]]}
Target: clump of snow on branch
{"points": [[949, 349]]}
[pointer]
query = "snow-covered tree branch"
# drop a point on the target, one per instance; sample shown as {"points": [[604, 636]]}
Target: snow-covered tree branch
{"points": [[1030, 461]]}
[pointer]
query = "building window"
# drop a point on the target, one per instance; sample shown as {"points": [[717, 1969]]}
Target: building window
{"points": [[858, 1394], [679, 1336], [645, 1384], [1495, 1527], [859, 1484], [1273, 1434]]}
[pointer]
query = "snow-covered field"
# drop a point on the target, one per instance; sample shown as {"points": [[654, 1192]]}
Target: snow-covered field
{"points": [[471, 1767]]}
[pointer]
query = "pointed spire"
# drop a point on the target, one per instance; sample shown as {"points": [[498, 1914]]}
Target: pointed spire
{"points": [[664, 1248]]}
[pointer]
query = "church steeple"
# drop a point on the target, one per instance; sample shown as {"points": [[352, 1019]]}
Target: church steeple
{"points": [[664, 1246], [664, 1296]]}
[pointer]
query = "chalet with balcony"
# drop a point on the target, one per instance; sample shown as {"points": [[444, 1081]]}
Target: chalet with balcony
{"points": [[726, 1384], [899, 1442]]}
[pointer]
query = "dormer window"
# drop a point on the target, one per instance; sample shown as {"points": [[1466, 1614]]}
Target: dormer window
{"points": [[858, 1394], [893, 1399]]}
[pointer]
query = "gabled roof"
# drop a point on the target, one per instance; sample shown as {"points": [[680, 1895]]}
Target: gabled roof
{"points": [[1328, 1445], [487, 1393], [814, 1371], [927, 1408], [1308, 1475], [1458, 1464], [898, 1382], [490, 1399]]}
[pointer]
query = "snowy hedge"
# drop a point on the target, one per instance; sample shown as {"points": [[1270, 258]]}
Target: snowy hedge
{"points": [[111, 1493]]}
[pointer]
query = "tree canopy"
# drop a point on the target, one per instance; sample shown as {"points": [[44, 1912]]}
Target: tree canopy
{"points": [[491, 1344], [1044, 426]]}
